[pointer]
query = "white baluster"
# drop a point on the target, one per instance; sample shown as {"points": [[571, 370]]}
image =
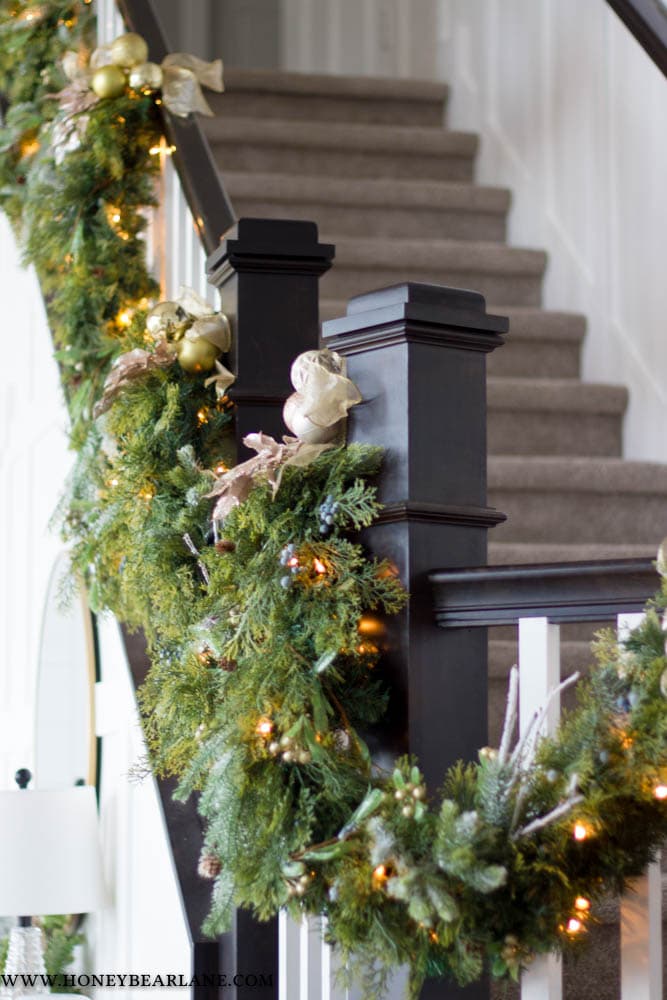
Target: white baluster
{"points": [[641, 913], [539, 674]]}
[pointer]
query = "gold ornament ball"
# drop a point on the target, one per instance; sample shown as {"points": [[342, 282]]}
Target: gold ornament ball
{"points": [[196, 356], [129, 50], [146, 78], [167, 320], [108, 81]]}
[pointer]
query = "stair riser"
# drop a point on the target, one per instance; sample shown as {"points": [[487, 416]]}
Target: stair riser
{"points": [[535, 359], [344, 281], [526, 432], [302, 107], [384, 220], [333, 162], [579, 518]]}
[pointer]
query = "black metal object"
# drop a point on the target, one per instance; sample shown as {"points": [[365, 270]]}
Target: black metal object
{"points": [[268, 272], [418, 355], [23, 777], [647, 20], [562, 592], [202, 184]]}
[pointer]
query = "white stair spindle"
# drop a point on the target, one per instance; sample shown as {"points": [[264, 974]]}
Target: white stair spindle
{"points": [[539, 674], [641, 912]]}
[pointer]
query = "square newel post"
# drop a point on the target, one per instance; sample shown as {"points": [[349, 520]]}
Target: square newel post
{"points": [[268, 273], [418, 355]]}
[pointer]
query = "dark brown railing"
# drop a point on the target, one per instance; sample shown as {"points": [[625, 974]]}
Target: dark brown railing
{"points": [[647, 20], [562, 592], [200, 179]]}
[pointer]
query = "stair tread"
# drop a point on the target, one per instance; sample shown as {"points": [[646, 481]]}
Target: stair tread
{"points": [[418, 193], [424, 140], [576, 474], [457, 255], [555, 395], [519, 553], [327, 84]]}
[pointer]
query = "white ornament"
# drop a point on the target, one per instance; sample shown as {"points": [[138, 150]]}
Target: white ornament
{"points": [[316, 412]]}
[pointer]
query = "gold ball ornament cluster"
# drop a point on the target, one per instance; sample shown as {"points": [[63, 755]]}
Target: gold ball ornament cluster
{"points": [[169, 321], [108, 81], [125, 63]]}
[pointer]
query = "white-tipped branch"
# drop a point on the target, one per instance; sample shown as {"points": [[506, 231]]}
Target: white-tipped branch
{"points": [[537, 824], [511, 711]]}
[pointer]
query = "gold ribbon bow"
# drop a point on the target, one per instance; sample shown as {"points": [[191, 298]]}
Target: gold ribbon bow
{"points": [[183, 77]]}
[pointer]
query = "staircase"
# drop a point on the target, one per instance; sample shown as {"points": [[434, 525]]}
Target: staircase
{"points": [[372, 163]]}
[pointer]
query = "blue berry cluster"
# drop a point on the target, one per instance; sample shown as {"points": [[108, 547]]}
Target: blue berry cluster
{"points": [[327, 512], [626, 702], [288, 556]]}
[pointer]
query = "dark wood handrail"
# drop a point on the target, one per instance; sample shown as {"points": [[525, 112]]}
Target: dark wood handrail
{"points": [[647, 20], [562, 592], [202, 185]]}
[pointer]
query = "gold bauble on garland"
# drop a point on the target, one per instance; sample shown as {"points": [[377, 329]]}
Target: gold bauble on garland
{"points": [[146, 78], [167, 320], [195, 356], [129, 50], [108, 81]]}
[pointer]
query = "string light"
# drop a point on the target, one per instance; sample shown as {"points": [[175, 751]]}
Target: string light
{"points": [[162, 150], [125, 317], [220, 469], [582, 904], [319, 566], [264, 727], [580, 831], [370, 626], [29, 147], [660, 792], [202, 416], [574, 926], [146, 493], [367, 649], [380, 875]]}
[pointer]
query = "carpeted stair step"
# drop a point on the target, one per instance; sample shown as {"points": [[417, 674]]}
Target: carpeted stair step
{"points": [[324, 97], [501, 273], [517, 553], [539, 344], [339, 149], [554, 417], [578, 500], [391, 208]]}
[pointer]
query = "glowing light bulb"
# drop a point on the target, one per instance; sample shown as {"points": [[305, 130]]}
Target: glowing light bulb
{"points": [[220, 469], [370, 626], [582, 904], [580, 831], [202, 416], [380, 874], [574, 926], [319, 566], [124, 317], [660, 792], [264, 727]]}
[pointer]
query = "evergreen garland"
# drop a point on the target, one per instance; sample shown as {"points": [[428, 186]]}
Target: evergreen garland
{"points": [[264, 641]]}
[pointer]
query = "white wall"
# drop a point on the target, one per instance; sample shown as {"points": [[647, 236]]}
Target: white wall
{"points": [[367, 37], [573, 117], [34, 460], [142, 929]]}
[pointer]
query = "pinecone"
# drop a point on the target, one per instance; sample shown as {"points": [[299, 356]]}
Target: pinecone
{"points": [[225, 545], [209, 866]]}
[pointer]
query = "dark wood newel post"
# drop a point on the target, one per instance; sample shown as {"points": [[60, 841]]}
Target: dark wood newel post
{"points": [[418, 355], [267, 272]]}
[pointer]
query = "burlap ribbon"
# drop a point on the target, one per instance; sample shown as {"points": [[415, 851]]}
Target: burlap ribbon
{"points": [[272, 457], [130, 366]]}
